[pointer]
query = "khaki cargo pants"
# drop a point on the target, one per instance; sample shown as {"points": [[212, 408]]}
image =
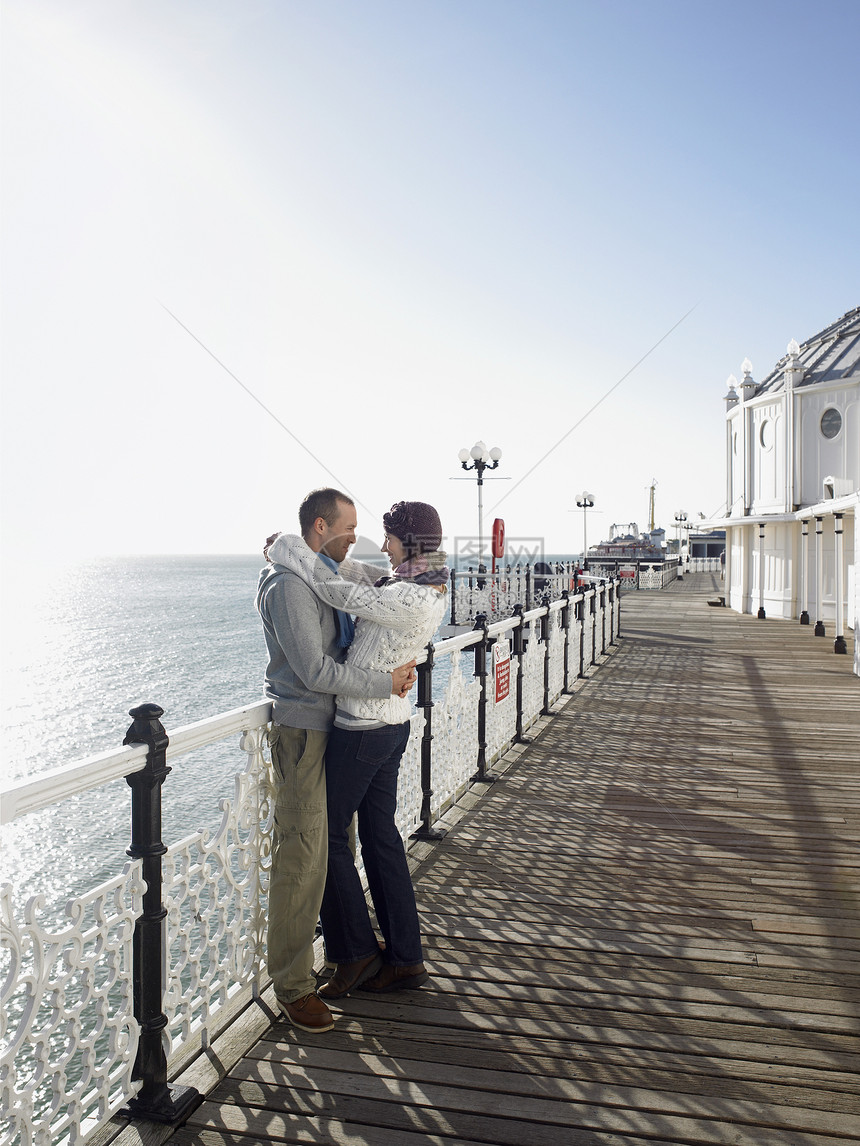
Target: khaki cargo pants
{"points": [[299, 857]]}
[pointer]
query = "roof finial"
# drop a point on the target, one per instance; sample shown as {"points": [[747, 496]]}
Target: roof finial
{"points": [[793, 348], [731, 398]]}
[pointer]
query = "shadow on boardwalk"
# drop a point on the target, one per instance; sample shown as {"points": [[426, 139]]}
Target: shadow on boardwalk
{"points": [[646, 931]]}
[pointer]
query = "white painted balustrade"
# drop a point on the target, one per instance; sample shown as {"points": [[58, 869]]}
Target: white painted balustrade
{"points": [[70, 1035]]}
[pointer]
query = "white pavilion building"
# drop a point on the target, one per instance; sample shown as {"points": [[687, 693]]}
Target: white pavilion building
{"points": [[793, 486]]}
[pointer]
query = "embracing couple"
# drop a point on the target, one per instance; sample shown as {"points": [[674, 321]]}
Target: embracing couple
{"points": [[340, 724]]}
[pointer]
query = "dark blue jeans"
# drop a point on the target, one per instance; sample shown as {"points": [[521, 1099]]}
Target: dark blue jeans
{"points": [[361, 775]]}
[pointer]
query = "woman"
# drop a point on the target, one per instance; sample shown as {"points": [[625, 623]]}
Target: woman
{"points": [[397, 618]]}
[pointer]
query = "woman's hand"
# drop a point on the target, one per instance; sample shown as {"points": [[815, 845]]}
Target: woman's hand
{"points": [[403, 678]]}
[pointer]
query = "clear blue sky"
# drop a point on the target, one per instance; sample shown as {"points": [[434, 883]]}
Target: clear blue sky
{"points": [[404, 225]]}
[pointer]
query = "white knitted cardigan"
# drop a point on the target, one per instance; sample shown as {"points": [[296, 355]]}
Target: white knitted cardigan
{"points": [[394, 622]]}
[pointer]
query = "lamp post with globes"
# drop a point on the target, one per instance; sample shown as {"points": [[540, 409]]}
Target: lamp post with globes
{"points": [[680, 525], [585, 501], [481, 459]]}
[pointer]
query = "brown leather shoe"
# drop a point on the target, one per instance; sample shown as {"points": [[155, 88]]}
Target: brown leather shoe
{"points": [[308, 1014], [397, 978], [348, 976]]}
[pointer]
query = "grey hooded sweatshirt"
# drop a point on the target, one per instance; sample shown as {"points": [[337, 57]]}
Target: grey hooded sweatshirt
{"points": [[306, 666]]}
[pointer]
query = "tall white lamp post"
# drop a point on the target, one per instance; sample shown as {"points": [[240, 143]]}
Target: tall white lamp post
{"points": [[585, 501], [479, 458]]}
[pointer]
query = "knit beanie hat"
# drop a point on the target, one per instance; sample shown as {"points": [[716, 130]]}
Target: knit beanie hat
{"points": [[416, 524]]}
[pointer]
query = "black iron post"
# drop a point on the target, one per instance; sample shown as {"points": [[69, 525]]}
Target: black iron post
{"points": [[482, 775], [425, 701], [529, 602], [155, 1101], [518, 648], [603, 599], [580, 614], [545, 622], [620, 596], [565, 624], [610, 597], [453, 597], [593, 613]]}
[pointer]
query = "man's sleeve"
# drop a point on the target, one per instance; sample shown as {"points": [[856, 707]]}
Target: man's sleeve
{"points": [[294, 614]]}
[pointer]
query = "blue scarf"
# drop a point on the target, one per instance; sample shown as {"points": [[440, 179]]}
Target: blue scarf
{"points": [[345, 623]]}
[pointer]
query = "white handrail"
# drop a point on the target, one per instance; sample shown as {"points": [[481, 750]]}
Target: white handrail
{"points": [[202, 732], [31, 795]]}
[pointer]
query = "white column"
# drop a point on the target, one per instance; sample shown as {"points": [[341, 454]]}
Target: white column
{"points": [[761, 612], [819, 578], [804, 569], [792, 378], [839, 645]]}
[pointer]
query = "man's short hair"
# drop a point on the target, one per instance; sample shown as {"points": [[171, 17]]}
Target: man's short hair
{"points": [[321, 503]]}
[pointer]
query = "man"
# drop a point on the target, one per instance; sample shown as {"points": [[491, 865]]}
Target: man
{"points": [[307, 642]]}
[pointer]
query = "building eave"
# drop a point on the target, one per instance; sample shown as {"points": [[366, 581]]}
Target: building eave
{"points": [[846, 504], [750, 519]]}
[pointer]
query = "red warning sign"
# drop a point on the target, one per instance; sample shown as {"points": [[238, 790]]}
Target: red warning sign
{"points": [[502, 669]]}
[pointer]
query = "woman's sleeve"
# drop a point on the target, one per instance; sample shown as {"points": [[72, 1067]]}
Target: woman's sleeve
{"points": [[360, 571], [395, 606]]}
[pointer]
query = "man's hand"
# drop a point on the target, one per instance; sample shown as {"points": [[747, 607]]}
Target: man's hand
{"points": [[269, 541], [403, 678]]}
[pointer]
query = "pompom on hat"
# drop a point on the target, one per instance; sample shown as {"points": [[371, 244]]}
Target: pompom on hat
{"points": [[416, 524]]}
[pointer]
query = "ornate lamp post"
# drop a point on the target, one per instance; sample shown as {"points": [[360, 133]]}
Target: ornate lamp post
{"points": [[585, 501], [481, 459], [680, 526]]}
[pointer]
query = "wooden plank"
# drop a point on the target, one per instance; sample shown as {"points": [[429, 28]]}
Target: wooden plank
{"points": [[757, 1042], [569, 967], [660, 1070]]}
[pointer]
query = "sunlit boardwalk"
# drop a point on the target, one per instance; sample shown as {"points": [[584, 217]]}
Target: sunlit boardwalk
{"points": [[647, 930]]}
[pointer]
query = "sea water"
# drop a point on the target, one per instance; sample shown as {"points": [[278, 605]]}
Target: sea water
{"points": [[84, 644]]}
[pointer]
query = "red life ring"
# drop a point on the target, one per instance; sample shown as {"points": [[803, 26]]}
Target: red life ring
{"points": [[498, 538]]}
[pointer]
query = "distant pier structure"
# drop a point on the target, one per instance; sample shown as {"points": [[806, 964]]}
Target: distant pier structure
{"points": [[793, 486]]}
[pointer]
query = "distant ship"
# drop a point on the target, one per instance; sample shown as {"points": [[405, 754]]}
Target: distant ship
{"points": [[626, 543]]}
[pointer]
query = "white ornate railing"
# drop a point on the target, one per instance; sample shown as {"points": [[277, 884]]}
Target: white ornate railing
{"points": [[637, 573], [215, 895], [68, 1029], [494, 594], [703, 565], [71, 1026]]}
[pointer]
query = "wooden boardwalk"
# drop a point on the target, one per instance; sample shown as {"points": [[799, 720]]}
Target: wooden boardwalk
{"points": [[646, 931]]}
